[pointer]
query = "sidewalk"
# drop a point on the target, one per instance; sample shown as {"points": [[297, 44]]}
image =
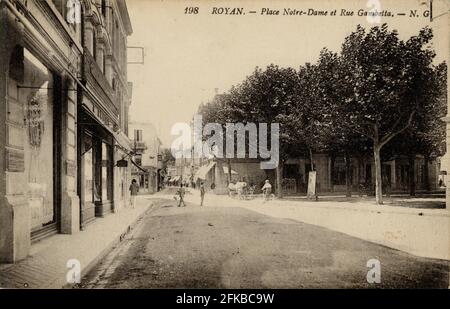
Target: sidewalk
{"points": [[46, 266], [422, 232]]}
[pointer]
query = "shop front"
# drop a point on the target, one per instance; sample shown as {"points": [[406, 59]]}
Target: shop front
{"points": [[33, 99], [38, 88], [96, 176]]}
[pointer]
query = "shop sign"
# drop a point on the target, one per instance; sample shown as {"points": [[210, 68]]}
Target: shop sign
{"points": [[122, 163]]}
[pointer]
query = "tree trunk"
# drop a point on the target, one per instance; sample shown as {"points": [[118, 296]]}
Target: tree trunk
{"points": [[279, 171], [348, 178], [378, 183], [332, 161], [360, 178], [229, 170], [313, 169], [426, 177], [412, 174]]}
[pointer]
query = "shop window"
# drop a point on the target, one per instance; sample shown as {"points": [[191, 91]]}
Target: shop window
{"points": [[34, 92], [87, 157]]}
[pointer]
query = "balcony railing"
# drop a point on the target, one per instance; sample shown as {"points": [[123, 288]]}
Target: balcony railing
{"points": [[139, 145]]}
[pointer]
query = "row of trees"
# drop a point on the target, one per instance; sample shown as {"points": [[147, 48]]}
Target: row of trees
{"points": [[379, 95]]}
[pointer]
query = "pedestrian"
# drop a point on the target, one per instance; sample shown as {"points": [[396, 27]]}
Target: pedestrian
{"points": [[267, 189], [181, 193], [202, 193], [134, 189]]}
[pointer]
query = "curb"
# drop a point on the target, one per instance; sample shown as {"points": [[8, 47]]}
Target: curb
{"points": [[117, 240], [417, 212], [423, 212]]}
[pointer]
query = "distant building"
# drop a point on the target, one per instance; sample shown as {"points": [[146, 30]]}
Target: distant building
{"points": [[331, 174], [147, 156]]}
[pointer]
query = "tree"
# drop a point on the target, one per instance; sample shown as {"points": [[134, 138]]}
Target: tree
{"points": [[331, 134], [167, 159], [266, 96], [387, 78], [426, 135], [378, 88]]}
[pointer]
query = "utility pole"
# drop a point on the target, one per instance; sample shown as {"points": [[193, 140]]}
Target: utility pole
{"points": [[182, 169]]}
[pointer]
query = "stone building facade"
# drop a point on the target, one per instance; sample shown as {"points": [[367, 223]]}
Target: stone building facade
{"points": [[103, 113], [50, 93]]}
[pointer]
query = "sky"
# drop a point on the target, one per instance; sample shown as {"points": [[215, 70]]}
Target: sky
{"points": [[188, 56]]}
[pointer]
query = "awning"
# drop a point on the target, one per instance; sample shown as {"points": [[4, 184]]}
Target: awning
{"points": [[225, 170], [123, 141], [137, 165], [204, 170], [176, 178]]}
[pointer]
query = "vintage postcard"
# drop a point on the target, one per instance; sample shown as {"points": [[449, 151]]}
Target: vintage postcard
{"points": [[201, 144]]}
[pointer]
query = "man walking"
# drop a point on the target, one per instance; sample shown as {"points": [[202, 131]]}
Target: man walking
{"points": [[134, 189], [202, 193], [181, 192]]}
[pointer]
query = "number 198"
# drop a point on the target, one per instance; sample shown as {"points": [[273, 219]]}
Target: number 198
{"points": [[191, 10]]}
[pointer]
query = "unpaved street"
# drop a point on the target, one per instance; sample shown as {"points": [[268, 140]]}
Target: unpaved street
{"points": [[231, 247]]}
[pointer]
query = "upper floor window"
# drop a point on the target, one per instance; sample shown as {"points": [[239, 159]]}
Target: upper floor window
{"points": [[104, 64], [70, 11], [138, 135], [94, 45], [104, 8], [61, 6]]}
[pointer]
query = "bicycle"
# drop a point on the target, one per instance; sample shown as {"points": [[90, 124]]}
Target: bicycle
{"points": [[268, 196]]}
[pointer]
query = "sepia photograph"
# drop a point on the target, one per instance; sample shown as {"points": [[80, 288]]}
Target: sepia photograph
{"points": [[241, 147]]}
